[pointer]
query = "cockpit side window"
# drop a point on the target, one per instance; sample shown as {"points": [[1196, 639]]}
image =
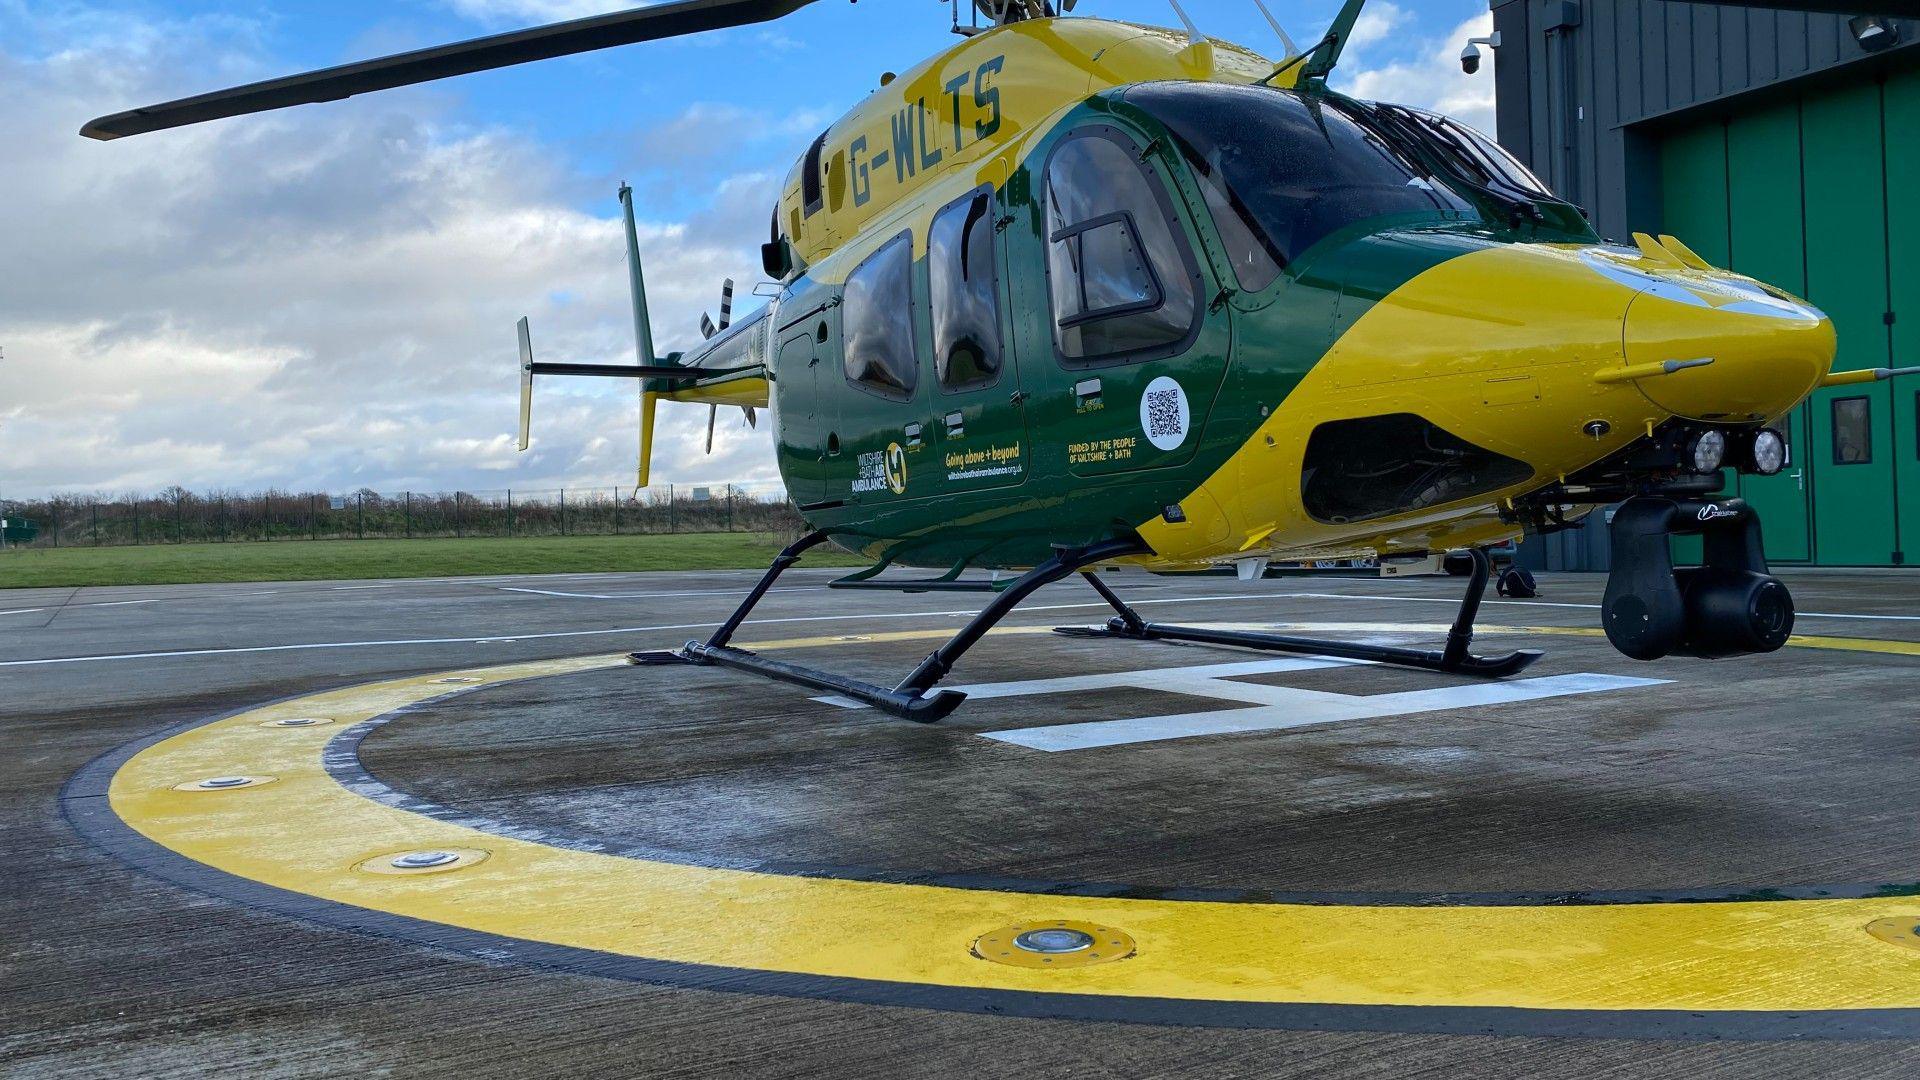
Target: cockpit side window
{"points": [[1288, 170], [1123, 279], [810, 187], [880, 356]]}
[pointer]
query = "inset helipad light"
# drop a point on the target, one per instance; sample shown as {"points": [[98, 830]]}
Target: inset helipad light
{"points": [[1059, 943], [1902, 930], [1054, 941], [224, 783], [457, 679], [423, 861], [298, 722]]}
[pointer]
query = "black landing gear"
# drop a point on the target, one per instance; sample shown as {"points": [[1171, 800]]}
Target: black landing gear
{"points": [[1454, 659], [912, 699]]}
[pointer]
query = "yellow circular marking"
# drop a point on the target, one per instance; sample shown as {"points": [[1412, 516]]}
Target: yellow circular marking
{"points": [[1904, 932], [1016, 945], [395, 863], [229, 782], [307, 833]]}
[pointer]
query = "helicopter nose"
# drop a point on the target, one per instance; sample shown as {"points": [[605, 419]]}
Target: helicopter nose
{"points": [[1767, 350]]}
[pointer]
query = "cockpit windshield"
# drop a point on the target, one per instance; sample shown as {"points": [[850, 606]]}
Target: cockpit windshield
{"points": [[1477, 157], [1281, 171]]}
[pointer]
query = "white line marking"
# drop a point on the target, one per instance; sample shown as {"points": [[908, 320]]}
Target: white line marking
{"points": [[1152, 678], [735, 597], [1585, 607], [360, 588], [23, 611], [569, 633], [1285, 707]]}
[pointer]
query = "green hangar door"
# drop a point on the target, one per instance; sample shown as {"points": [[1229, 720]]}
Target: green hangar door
{"points": [[1819, 196]]}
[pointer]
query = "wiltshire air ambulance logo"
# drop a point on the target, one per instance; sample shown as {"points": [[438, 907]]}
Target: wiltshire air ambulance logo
{"points": [[897, 468]]}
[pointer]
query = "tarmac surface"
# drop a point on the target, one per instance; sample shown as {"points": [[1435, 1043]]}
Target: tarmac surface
{"points": [[1175, 785]]}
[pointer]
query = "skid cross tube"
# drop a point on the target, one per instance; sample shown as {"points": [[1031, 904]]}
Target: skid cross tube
{"points": [[913, 698], [1454, 659]]}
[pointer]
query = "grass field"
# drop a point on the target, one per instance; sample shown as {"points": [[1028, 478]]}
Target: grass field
{"points": [[354, 560]]}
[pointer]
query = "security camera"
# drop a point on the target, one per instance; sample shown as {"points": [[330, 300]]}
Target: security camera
{"points": [[1470, 56]]}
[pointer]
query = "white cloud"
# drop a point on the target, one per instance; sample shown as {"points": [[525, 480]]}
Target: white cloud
{"points": [[1426, 73], [323, 297], [1377, 23]]}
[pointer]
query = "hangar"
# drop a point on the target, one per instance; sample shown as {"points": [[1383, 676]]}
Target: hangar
{"points": [[1779, 143]]}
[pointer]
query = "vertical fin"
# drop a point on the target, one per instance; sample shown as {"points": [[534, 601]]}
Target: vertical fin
{"points": [[642, 335], [642, 325]]}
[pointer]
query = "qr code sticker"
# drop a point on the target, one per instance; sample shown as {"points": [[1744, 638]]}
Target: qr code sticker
{"points": [[1163, 414]]}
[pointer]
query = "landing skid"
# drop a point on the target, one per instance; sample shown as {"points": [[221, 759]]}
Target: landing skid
{"points": [[1455, 659], [914, 698]]}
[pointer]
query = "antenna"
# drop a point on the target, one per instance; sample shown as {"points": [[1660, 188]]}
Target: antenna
{"points": [[1193, 32], [1285, 38]]}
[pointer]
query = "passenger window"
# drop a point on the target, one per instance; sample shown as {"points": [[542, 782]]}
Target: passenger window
{"points": [[878, 320], [966, 293], [1122, 276], [1852, 431]]}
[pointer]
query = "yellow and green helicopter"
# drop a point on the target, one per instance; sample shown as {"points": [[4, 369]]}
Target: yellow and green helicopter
{"points": [[1075, 293]]}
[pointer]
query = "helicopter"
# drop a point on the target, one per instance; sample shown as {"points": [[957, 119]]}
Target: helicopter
{"points": [[1076, 293]]}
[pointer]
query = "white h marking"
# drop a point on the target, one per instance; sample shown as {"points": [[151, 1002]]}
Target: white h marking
{"points": [[1270, 708]]}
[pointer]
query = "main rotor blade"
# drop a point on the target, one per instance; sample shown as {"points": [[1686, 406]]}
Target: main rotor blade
{"points": [[675, 19]]}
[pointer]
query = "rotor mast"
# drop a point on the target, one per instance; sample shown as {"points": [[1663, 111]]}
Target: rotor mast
{"points": [[1006, 11]]}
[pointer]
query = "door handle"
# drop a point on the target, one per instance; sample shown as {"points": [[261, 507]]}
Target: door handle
{"points": [[956, 424], [913, 434], [1086, 394]]}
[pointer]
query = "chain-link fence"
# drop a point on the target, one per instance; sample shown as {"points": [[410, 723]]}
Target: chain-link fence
{"points": [[178, 516]]}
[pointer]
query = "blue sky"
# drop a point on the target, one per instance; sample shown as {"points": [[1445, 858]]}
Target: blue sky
{"points": [[320, 299]]}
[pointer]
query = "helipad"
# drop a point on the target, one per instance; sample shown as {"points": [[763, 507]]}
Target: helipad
{"points": [[1192, 839]]}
